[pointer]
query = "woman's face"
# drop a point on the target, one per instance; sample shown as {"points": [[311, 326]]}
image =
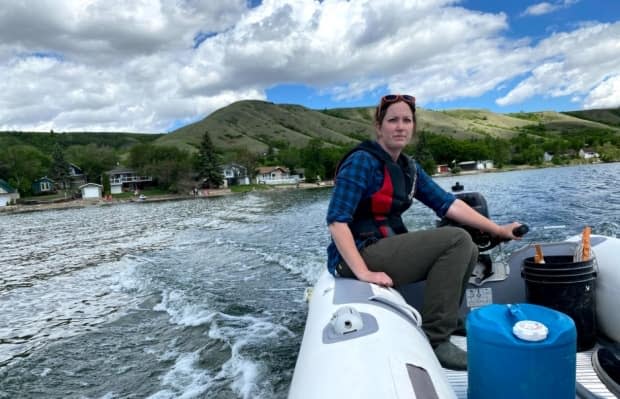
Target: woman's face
{"points": [[396, 129]]}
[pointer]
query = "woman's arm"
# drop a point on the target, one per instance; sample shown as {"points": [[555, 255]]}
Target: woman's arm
{"points": [[461, 212], [343, 238]]}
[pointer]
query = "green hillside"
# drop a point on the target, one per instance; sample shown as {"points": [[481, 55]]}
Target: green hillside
{"points": [[257, 133], [44, 141], [255, 125], [606, 116]]}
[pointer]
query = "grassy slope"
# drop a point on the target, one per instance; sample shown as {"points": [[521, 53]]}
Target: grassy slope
{"points": [[255, 125], [606, 116], [45, 140]]}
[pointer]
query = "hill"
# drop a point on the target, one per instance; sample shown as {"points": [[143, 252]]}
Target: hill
{"points": [[256, 125], [606, 116], [44, 141]]}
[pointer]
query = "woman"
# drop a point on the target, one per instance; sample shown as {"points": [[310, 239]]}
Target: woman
{"points": [[375, 183]]}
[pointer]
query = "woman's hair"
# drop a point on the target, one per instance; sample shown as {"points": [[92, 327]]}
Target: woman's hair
{"points": [[381, 110]]}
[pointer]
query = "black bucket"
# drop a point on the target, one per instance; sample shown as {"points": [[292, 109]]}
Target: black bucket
{"points": [[565, 286]]}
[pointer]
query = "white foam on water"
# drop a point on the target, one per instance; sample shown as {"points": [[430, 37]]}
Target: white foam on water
{"points": [[308, 270], [64, 305], [185, 380], [109, 395], [182, 312], [247, 330], [245, 374]]}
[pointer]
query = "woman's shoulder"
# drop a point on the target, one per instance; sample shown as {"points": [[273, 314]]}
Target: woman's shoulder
{"points": [[361, 160]]}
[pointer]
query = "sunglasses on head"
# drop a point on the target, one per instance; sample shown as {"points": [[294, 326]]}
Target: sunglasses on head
{"points": [[392, 98]]}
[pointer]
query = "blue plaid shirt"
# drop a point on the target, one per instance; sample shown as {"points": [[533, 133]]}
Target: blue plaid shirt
{"points": [[360, 176]]}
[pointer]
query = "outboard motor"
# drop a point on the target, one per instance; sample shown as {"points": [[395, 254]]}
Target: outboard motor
{"points": [[490, 282], [483, 240]]}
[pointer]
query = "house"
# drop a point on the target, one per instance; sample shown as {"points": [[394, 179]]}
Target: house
{"points": [[91, 191], [8, 194], [123, 179], [443, 168], [76, 175], [235, 174], [587, 153], [275, 175], [43, 186], [300, 173], [548, 156], [468, 166], [75, 178]]}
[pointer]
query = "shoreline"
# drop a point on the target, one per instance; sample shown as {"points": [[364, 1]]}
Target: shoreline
{"points": [[214, 193], [84, 203]]}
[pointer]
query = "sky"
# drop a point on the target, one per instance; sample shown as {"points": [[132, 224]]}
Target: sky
{"points": [[152, 66]]}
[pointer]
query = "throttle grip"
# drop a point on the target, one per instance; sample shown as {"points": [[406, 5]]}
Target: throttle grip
{"points": [[521, 230]]}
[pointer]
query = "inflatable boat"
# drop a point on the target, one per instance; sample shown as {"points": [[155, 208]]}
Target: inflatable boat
{"points": [[365, 341]]}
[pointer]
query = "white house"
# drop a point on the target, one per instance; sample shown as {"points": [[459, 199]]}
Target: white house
{"points": [[7, 193], [586, 153], [128, 179], [475, 165], [91, 191], [275, 175], [76, 175], [235, 174]]}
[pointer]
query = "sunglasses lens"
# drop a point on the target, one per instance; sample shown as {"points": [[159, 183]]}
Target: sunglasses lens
{"points": [[390, 98]]}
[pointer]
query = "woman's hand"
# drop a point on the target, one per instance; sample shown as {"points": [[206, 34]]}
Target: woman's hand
{"points": [[379, 278], [506, 231]]}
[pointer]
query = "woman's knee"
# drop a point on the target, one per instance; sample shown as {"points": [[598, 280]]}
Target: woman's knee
{"points": [[460, 236], [464, 242]]}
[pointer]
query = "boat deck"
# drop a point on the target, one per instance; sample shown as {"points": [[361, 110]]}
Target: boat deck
{"points": [[586, 375]]}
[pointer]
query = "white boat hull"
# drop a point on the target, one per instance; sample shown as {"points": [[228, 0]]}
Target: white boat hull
{"points": [[388, 356]]}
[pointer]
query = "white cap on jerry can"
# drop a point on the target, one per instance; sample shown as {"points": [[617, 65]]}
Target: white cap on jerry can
{"points": [[530, 330]]}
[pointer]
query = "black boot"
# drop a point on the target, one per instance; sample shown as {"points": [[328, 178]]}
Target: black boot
{"points": [[451, 356], [606, 362]]}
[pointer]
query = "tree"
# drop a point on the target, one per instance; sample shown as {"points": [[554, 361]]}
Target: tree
{"points": [[59, 170], [93, 159], [169, 166], [22, 164], [312, 160], [609, 152], [423, 155], [208, 163], [105, 182], [290, 158]]}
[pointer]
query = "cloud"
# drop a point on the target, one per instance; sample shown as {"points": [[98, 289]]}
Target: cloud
{"points": [[570, 64], [547, 8], [146, 65], [604, 95]]}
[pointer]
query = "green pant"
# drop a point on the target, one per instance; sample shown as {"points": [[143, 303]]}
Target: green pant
{"points": [[444, 257]]}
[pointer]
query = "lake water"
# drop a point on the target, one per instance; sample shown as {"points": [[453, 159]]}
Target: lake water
{"points": [[205, 298]]}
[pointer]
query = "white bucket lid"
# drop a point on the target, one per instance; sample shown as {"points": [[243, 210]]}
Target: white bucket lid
{"points": [[530, 330]]}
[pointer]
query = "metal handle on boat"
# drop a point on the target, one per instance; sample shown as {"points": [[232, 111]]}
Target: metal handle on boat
{"points": [[403, 308]]}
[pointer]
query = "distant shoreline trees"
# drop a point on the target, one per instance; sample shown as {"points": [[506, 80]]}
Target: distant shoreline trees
{"points": [[26, 157]]}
